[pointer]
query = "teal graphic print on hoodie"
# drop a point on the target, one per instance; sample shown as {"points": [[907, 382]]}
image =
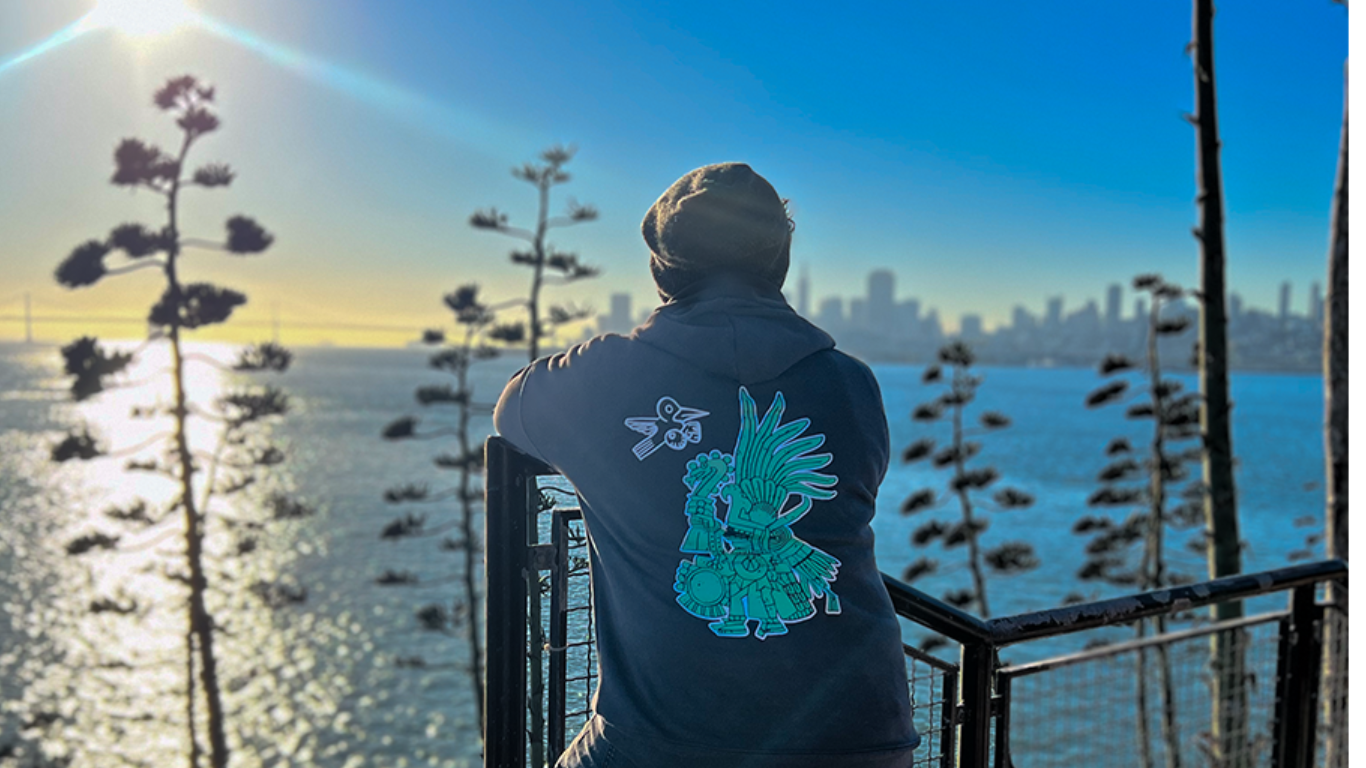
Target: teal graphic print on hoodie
{"points": [[751, 566]]}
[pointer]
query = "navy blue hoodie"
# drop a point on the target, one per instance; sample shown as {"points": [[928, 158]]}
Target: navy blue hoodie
{"points": [[728, 458]]}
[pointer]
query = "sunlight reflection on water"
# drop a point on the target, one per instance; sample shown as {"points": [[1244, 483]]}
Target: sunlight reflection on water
{"points": [[304, 685]]}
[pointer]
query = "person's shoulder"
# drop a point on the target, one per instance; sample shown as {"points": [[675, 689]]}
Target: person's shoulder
{"points": [[850, 361], [851, 367], [587, 364], [597, 350], [554, 385]]}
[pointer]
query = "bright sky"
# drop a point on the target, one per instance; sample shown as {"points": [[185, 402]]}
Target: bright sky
{"points": [[991, 153]]}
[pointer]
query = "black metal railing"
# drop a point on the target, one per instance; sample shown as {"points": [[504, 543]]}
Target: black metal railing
{"points": [[980, 711], [1284, 731]]}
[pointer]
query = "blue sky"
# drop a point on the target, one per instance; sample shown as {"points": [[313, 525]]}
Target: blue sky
{"points": [[991, 153]]}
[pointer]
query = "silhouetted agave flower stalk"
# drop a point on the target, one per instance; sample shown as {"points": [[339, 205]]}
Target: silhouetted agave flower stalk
{"points": [[1156, 483], [477, 324], [234, 465], [565, 267], [482, 333], [960, 389]]}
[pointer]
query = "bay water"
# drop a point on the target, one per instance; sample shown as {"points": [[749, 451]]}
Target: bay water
{"points": [[317, 683]]}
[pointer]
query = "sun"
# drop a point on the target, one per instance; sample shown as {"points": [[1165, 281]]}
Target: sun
{"points": [[141, 18]]}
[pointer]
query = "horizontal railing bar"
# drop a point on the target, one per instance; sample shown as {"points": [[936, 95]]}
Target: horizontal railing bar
{"points": [[937, 663], [935, 615], [1128, 646], [1120, 610]]}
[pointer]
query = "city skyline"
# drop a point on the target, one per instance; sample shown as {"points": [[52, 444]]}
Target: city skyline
{"points": [[17, 317], [881, 328], [1054, 306], [622, 316]]}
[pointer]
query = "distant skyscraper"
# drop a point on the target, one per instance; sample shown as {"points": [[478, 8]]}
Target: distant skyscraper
{"points": [[970, 327], [907, 319], [1088, 319], [1113, 295], [1316, 302], [1054, 317], [1020, 319], [881, 304], [618, 319], [804, 293], [1141, 310], [858, 314], [932, 326], [831, 314], [1085, 320], [1235, 307], [1284, 309]]}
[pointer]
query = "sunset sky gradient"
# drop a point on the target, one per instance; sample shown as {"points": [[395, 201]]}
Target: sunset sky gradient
{"points": [[991, 153]]}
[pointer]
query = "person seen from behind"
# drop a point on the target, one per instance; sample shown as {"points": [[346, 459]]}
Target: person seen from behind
{"points": [[727, 459]]}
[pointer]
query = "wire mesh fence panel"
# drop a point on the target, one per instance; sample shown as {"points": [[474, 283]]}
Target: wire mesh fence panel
{"points": [[1332, 734], [1148, 703], [933, 688], [565, 651], [557, 653], [581, 664]]}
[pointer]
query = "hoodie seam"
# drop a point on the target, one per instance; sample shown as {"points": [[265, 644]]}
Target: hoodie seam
{"points": [[734, 347]]}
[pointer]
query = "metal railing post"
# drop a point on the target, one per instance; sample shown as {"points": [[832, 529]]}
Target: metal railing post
{"points": [[535, 648], [559, 635], [948, 720], [974, 741], [1297, 682], [505, 565], [1003, 722]]}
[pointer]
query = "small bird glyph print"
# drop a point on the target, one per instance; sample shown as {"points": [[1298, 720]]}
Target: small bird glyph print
{"points": [[673, 425]]}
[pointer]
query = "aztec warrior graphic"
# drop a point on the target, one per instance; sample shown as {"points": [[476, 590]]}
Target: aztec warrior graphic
{"points": [[751, 566]]}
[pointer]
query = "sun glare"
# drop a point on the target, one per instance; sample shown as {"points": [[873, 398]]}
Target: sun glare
{"points": [[141, 18]]}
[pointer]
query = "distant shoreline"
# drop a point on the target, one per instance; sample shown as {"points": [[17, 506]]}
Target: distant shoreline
{"points": [[514, 351]]}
